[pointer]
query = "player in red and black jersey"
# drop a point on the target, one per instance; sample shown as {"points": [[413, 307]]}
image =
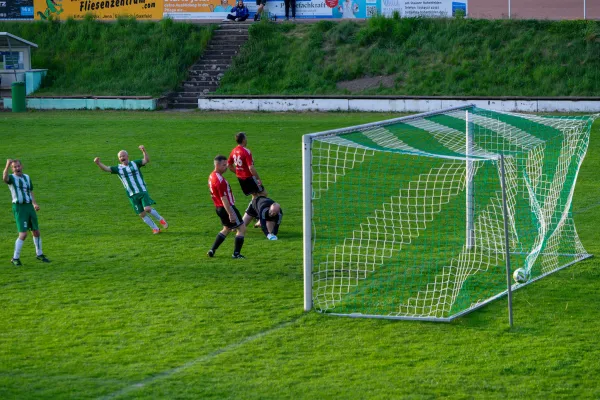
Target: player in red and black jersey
{"points": [[241, 163], [231, 219]]}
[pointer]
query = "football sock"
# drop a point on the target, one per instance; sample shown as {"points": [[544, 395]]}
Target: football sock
{"points": [[37, 241], [219, 239], [18, 247], [156, 215], [150, 223], [239, 242]]}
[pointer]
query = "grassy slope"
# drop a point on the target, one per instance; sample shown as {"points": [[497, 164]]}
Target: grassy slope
{"points": [[123, 58], [428, 57], [121, 311]]}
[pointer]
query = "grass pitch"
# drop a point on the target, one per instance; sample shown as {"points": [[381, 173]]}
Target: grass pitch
{"points": [[121, 313]]}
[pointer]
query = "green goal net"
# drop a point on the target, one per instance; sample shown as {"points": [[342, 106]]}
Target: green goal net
{"points": [[405, 218]]}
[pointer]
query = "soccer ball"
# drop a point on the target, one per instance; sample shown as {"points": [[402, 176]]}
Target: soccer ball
{"points": [[520, 275]]}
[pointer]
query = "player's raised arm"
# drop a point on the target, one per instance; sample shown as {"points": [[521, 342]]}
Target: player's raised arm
{"points": [[100, 165], [146, 159], [5, 172]]}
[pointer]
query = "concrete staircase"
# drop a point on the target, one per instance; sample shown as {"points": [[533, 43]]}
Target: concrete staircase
{"points": [[205, 74]]}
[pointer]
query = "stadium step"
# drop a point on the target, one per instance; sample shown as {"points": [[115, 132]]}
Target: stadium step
{"points": [[192, 85], [222, 54], [200, 68], [198, 88], [204, 76], [186, 99], [210, 61], [239, 27], [233, 38], [187, 105], [230, 38], [222, 57], [223, 47], [207, 74]]}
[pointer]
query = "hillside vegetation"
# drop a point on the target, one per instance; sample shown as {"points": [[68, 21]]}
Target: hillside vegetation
{"points": [[415, 56], [422, 57], [124, 58]]}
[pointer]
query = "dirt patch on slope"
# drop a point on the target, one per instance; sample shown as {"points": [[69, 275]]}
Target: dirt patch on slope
{"points": [[372, 82]]}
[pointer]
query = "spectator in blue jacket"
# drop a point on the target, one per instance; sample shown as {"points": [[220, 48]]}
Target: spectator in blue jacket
{"points": [[239, 13]]}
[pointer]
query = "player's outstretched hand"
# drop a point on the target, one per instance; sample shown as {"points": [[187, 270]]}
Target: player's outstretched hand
{"points": [[8, 162], [97, 160], [142, 148]]}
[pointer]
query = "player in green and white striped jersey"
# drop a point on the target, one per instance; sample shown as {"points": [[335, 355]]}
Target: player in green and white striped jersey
{"points": [[24, 208], [130, 174]]}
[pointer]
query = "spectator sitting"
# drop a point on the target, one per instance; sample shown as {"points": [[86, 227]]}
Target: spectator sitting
{"points": [[238, 13]]}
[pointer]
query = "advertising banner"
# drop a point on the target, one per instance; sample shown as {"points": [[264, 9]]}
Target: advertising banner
{"points": [[16, 9], [198, 9], [213, 9], [423, 8], [218, 9], [348, 9], [101, 9]]}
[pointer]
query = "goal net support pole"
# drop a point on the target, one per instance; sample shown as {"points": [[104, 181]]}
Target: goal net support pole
{"points": [[307, 219], [470, 240], [506, 241]]}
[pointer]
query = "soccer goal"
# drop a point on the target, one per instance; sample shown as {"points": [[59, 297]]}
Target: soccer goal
{"points": [[425, 217]]}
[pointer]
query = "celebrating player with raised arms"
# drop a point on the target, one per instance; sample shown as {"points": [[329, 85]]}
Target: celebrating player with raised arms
{"points": [[231, 219], [130, 174]]}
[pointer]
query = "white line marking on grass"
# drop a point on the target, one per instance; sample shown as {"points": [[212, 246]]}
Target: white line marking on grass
{"points": [[207, 357]]}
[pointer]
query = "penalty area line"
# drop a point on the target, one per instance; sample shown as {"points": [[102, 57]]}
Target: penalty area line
{"points": [[168, 373]]}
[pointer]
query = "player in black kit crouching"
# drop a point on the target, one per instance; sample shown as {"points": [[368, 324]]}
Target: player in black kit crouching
{"points": [[268, 213]]}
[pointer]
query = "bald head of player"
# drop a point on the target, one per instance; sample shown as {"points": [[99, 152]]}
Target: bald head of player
{"points": [[274, 210], [123, 157]]}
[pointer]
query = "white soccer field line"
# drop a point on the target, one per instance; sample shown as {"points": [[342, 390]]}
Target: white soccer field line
{"points": [[205, 358]]}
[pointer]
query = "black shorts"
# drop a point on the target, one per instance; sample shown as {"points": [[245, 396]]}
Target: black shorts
{"points": [[222, 213], [259, 2], [251, 211], [250, 186]]}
